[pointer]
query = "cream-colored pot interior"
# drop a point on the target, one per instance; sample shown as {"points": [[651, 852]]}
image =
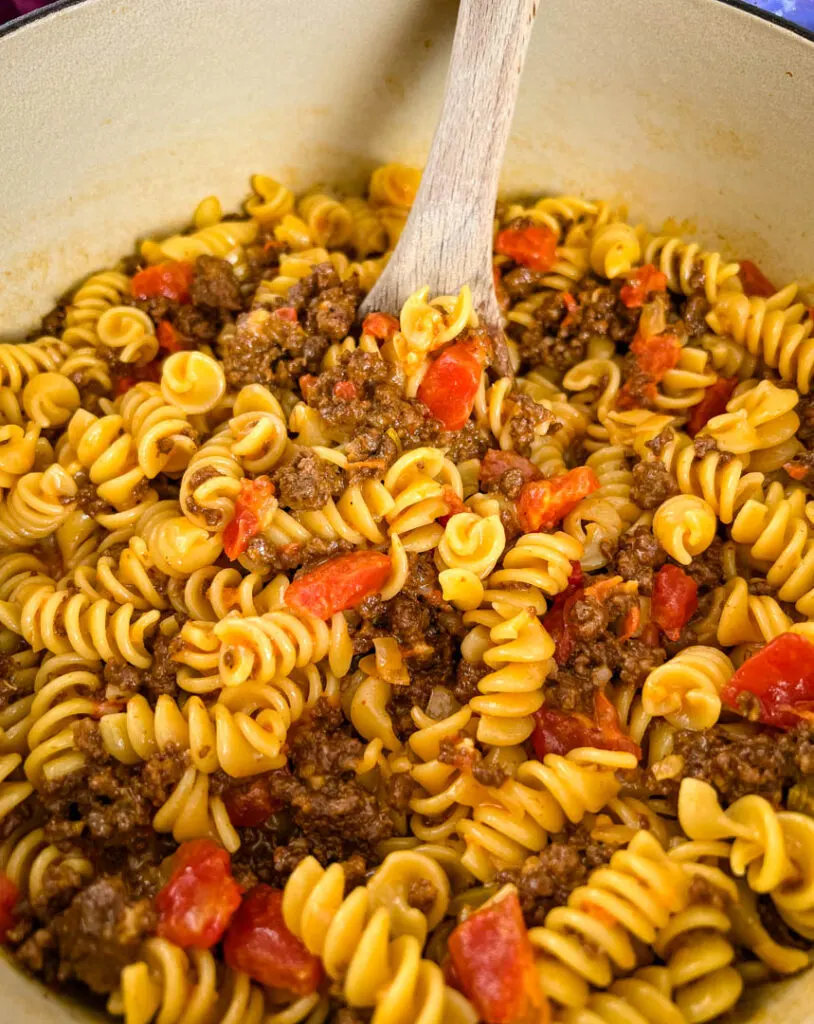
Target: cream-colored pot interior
{"points": [[116, 116]]}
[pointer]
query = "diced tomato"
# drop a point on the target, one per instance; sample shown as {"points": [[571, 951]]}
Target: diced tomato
{"points": [[555, 619], [254, 508], [641, 283], [558, 732], [169, 340], [338, 584], [493, 962], [712, 404], [495, 463], [249, 806], [346, 390], [9, 895], [533, 247], [796, 470], [453, 503], [451, 383], [307, 382], [381, 325], [197, 903], [286, 313], [543, 503], [149, 372], [656, 355], [630, 623], [172, 280], [572, 306], [781, 678], [650, 634], [675, 599], [754, 281], [503, 299], [259, 944]]}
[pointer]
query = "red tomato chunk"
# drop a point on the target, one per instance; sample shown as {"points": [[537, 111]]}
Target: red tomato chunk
{"points": [[172, 280], [286, 313], [451, 383], [249, 806], [754, 281], [493, 963], [253, 509], [712, 404], [259, 944], [381, 325], [533, 247], [780, 678], [169, 340], [543, 503], [557, 732], [640, 284], [675, 599], [338, 584], [656, 355], [197, 903], [9, 895]]}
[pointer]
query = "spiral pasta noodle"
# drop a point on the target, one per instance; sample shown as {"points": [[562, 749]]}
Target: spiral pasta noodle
{"points": [[334, 604]]}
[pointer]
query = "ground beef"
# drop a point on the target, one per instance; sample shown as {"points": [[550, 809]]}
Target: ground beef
{"points": [[333, 814], [214, 285], [526, 417], [121, 680], [349, 1015], [707, 568], [694, 314], [766, 763], [522, 282], [370, 454], [321, 745], [53, 323], [375, 400], [573, 692], [87, 498], [547, 880], [270, 349], [271, 559], [559, 337], [467, 676], [421, 894], [598, 654], [162, 675], [805, 410], [400, 790], [470, 442], [195, 325], [638, 556], [112, 802], [308, 482], [487, 771], [702, 891], [652, 484], [98, 935], [703, 444], [329, 304]]}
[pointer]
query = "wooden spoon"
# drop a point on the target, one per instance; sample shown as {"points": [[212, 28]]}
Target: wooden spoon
{"points": [[447, 241]]}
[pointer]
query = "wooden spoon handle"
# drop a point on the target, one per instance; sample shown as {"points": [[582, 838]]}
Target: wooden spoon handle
{"points": [[447, 241]]}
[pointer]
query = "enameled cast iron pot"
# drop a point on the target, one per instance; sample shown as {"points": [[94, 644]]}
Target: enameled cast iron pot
{"points": [[117, 116]]}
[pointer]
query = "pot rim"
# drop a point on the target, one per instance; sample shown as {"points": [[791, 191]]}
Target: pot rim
{"points": [[739, 5]]}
